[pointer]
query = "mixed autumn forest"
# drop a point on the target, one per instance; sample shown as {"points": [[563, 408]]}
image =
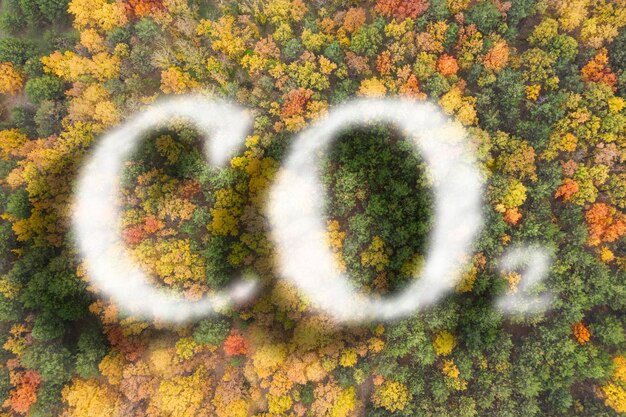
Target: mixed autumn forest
{"points": [[538, 84]]}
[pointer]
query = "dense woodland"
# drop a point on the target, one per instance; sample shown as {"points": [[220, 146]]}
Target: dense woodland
{"points": [[539, 85]]}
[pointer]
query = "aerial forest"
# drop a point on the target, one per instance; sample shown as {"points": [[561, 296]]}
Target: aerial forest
{"points": [[538, 85]]}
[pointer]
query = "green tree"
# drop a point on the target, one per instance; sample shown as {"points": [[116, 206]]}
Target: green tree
{"points": [[16, 50], [485, 16], [43, 88], [366, 39], [211, 331], [91, 349]]}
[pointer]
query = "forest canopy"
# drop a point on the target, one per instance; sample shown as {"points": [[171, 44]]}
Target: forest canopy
{"points": [[540, 87]]}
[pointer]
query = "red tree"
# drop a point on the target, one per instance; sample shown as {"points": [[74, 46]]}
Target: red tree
{"points": [[402, 9], [447, 65], [604, 223], [25, 393], [235, 344], [568, 188]]}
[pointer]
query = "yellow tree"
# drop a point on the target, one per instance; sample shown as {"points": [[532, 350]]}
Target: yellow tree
{"points": [[335, 237], [89, 398], [614, 391], [444, 342], [174, 80], [372, 87], [333, 401], [225, 213], [376, 255], [99, 14], [180, 396], [228, 36], [10, 79], [10, 141], [268, 358], [93, 103], [463, 107], [392, 396]]}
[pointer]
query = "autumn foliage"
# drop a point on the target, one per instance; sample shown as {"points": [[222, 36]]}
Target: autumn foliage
{"points": [[444, 342], [401, 9], [10, 79], [392, 396], [604, 223], [539, 88], [568, 188], [25, 393], [598, 70], [581, 332], [447, 65], [235, 344]]}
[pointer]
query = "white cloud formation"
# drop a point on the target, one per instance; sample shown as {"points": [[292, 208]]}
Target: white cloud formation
{"points": [[296, 206], [97, 214], [535, 262], [295, 209]]}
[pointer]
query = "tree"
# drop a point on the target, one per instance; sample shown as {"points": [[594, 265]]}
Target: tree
{"points": [[56, 289], [346, 403], [16, 50], [604, 223], [615, 397], [372, 87], [18, 204], [227, 36], [267, 358], [366, 40], [112, 367], [225, 212], [33, 14], [376, 255], [91, 349], [447, 65], [485, 16], [211, 331], [392, 396], [444, 342], [181, 396], [89, 398], [539, 68], [48, 118], [294, 107], [450, 369], [10, 79], [568, 188], [598, 71], [97, 14], [47, 327], [401, 9], [174, 80], [147, 29], [620, 368], [10, 141], [43, 88], [172, 260], [498, 57], [530, 79], [52, 361], [571, 13], [235, 344], [354, 19], [581, 332], [24, 395], [147, 7], [453, 102], [282, 11]]}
